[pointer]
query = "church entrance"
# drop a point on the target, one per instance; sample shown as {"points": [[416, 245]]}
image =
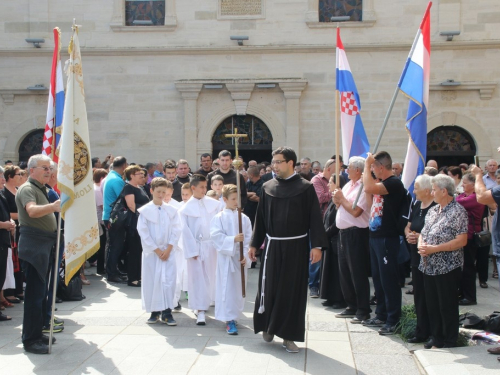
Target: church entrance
{"points": [[31, 145], [258, 146], [450, 146]]}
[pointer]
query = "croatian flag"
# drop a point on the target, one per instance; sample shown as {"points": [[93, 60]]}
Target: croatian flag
{"points": [[414, 83], [55, 107], [354, 140]]}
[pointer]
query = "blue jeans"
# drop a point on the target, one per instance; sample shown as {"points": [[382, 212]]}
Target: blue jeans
{"points": [[314, 274], [35, 304], [384, 264]]}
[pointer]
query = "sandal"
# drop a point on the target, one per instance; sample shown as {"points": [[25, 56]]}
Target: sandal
{"points": [[85, 282], [6, 303]]}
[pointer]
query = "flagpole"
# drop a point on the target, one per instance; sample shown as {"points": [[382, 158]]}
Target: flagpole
{"points": [[55, 271], [396, 92]]}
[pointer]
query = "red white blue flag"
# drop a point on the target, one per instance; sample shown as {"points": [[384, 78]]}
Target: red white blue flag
{"points": [[414, 83], [55, 107], [354, 140]]}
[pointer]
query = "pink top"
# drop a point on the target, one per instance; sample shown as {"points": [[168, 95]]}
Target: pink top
{"points": [[320, 184], [344, 219]]}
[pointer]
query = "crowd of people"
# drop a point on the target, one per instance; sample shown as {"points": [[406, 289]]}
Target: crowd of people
{"points": [[302, 227]]}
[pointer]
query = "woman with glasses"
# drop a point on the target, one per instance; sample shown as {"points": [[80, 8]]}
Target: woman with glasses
{"points": [[135, 198]]}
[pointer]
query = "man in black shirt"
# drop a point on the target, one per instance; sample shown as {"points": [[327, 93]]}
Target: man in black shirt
{"points": [[388, 196], [254, 187], [206, 165], [170, 174], [229, 175], [183, 171]]}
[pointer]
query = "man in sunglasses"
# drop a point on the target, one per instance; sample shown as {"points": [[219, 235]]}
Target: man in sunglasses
{"points": [[38, 228]]}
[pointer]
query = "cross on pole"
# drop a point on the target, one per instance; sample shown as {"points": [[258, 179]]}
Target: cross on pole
{"points": [[237, 164]]}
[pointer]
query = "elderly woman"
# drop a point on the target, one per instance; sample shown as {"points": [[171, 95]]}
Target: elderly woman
{"points": [[422, 190], [441, 245], [135, 197], [330, 280], [475, 213]]}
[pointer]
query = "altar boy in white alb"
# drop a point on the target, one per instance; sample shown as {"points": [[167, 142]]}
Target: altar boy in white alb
{"points": [[224, 230], [197, 245], [159, 228]]}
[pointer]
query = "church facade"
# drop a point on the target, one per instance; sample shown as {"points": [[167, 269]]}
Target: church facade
{"points": [[169, 78]]}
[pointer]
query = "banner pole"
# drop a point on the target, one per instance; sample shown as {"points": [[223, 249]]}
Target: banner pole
{"points": [[55, 272]]}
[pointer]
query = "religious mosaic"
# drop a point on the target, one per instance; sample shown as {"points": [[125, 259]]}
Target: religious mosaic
{"points": [[258, 132], [143, 11], [446, 139], [339, 8]]}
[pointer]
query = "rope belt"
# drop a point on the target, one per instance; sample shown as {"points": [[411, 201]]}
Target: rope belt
{"points": [[269, 239]]}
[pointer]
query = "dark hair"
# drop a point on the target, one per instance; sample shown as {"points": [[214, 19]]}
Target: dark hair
{"points": [[10, 171], [305, 176], [443, 169], [340, 158], [8, 161], [94, 161], [384, 158], [23, 165], [455, 171], [225, 153], [206, 154], [253, 171], [98, 174], [196, 179], [288, 154], [168, 165], [265, 163], [149, 165], [119, 161]]}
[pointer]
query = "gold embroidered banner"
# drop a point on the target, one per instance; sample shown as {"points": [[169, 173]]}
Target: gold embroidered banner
{"points": [[74, 180]]}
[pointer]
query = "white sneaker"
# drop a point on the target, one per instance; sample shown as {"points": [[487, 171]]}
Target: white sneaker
{"points": [[200, 321]]}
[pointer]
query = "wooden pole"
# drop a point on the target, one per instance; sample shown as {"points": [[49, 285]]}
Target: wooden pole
{"points": [[237, 164]]}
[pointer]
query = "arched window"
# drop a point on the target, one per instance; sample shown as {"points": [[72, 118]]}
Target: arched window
{"points": [[257, 146], [450, 145], [31, 145], [338, 8]]}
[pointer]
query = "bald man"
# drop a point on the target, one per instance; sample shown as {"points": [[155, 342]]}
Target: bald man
{"points": [[433, 164]]}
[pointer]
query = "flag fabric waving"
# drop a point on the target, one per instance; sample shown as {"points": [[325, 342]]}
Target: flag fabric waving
{"points": [[78, 209], [354, 140], [55, 107], [414, 83]]}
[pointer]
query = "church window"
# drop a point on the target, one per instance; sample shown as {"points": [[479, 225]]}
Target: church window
{"points": [[338, 8], [31, 145], [144, 13], [258, 132]]}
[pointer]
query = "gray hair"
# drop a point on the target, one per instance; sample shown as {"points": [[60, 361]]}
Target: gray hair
{"points": [[424, 181], [53, 167], [469, 177], [316, 163], [35, 159], [443, 181], [308, 160], [357, 162]]}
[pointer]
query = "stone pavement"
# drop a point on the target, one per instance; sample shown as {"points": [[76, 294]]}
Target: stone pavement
{"points": [[107, 334]]}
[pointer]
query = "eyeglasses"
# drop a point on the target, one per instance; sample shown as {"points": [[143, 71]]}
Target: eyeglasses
{"points": [[140, 174], [18, 174], [46, 169], [273, 162]]}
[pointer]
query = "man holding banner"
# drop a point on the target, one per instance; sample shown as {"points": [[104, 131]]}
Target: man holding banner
{"points": [[38, 228]]}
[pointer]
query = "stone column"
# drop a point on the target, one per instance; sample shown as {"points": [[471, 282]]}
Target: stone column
{"points": [[240, 93], [190, 93], [293, 92]]}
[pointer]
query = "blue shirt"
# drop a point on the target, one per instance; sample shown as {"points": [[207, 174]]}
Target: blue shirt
{"points": [[112, 189], [158, 174], [495, 225]]}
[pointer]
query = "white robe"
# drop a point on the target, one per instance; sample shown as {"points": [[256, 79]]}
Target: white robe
{"points": [[195, 241], [182, 280], [159, 227], [229, 302]]}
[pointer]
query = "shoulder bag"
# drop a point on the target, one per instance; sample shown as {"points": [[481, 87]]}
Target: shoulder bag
{"points": [[483, 238]]}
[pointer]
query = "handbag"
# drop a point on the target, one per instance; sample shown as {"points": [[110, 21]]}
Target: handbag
{"points": [[493, 322], [120, 215], [483, 238]]}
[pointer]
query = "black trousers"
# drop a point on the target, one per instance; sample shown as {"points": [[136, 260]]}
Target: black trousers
{"points": [[354, 266], [483, 259], [35, 303], [134, 255], [115, 244], [4, 253], [423, 330], [468, 281], [441, 295]]}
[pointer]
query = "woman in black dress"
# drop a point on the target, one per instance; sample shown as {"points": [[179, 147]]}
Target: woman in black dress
{"points": [[422, 190], [135, 197], [330, 284]]}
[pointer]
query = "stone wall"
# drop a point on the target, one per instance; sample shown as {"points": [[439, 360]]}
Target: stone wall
{"points": [[135, 109]]}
